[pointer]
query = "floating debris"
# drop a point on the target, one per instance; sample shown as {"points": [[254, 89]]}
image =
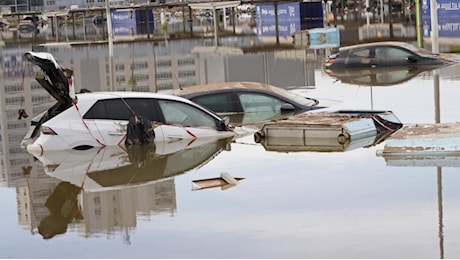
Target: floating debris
{"points": [[424, 140], [314, 144], [423, 161], [329, 130], [224, 182]]}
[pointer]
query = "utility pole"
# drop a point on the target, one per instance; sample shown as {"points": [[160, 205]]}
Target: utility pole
{"points": [[434, 26], [110, 40], [418, 23]]}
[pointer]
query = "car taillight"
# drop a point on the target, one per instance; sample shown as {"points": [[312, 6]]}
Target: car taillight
{"points": [[330, 62], [48, 131]]}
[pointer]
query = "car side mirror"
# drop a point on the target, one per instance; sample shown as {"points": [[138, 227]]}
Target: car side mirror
{"points": [[287, 107], [224, 124], [411, 59]]}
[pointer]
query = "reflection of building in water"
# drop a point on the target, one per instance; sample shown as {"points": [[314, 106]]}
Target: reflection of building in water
{"points": [[308, 60], [117, 210], [17, 91], [376, 31], [31, 198], [280, 68], [138, 67], [109, 212], [147, 66], [18, 169]]}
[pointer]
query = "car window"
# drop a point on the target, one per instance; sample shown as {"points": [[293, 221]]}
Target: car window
{"points": [[366, 80], [254, 102], [365, 53], [218, 103], [392, 77], [122, 109], [259, 107], [390, 52], [179, 113]]}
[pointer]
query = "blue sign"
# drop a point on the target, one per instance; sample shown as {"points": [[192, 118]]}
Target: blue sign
{"points": [[285, 28], [124, 29], [324, 37], [131, 22], [449, 8], [127, 16], [448, 18], [292, 17], [265, 12], [312, 15], [447, 27], [145, 21], [288, 11], [426, 8]]}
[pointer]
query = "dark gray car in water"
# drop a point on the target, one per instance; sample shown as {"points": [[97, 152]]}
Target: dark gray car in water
{"points": [[383, 54]]}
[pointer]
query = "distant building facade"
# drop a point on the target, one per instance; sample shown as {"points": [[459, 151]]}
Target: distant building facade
{"points": [[54, 5]]}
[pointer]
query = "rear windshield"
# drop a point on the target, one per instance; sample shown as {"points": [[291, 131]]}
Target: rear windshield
{"points": [[291, 95]]}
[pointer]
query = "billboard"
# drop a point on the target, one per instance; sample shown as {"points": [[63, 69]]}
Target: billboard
{"points": [[285, 28], [311, 15], [130, 22], [123, 22], [292, 17], [288, 11], [448, 12], [445, 8]]}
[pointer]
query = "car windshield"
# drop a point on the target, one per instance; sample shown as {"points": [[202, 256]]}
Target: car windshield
{"points": [[295, 97]]}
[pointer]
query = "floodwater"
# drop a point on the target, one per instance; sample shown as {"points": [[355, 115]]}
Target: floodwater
{"points": [[347, 204]]}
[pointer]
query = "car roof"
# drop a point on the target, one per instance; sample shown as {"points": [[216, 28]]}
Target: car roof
{"points": [[223, 85], [372, 44], [89, 96], [212, 88]]}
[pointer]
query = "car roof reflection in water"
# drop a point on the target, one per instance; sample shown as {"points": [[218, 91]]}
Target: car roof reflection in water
{"points": [[378, 76]]}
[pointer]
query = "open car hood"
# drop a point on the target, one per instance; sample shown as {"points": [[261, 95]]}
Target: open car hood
{"points": [[55, 79]]}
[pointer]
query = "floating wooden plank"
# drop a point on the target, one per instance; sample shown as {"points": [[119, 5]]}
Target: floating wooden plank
{"points": [[213, 183], [228, 178]]}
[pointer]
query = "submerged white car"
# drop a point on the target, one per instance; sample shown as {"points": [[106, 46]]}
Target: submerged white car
{"points": [[86, 120]]}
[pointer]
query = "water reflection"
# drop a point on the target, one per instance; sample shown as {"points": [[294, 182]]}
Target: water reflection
{"points": [[294, 210], [378, 76], [102, 190], [63, 209], [438, 161]]}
